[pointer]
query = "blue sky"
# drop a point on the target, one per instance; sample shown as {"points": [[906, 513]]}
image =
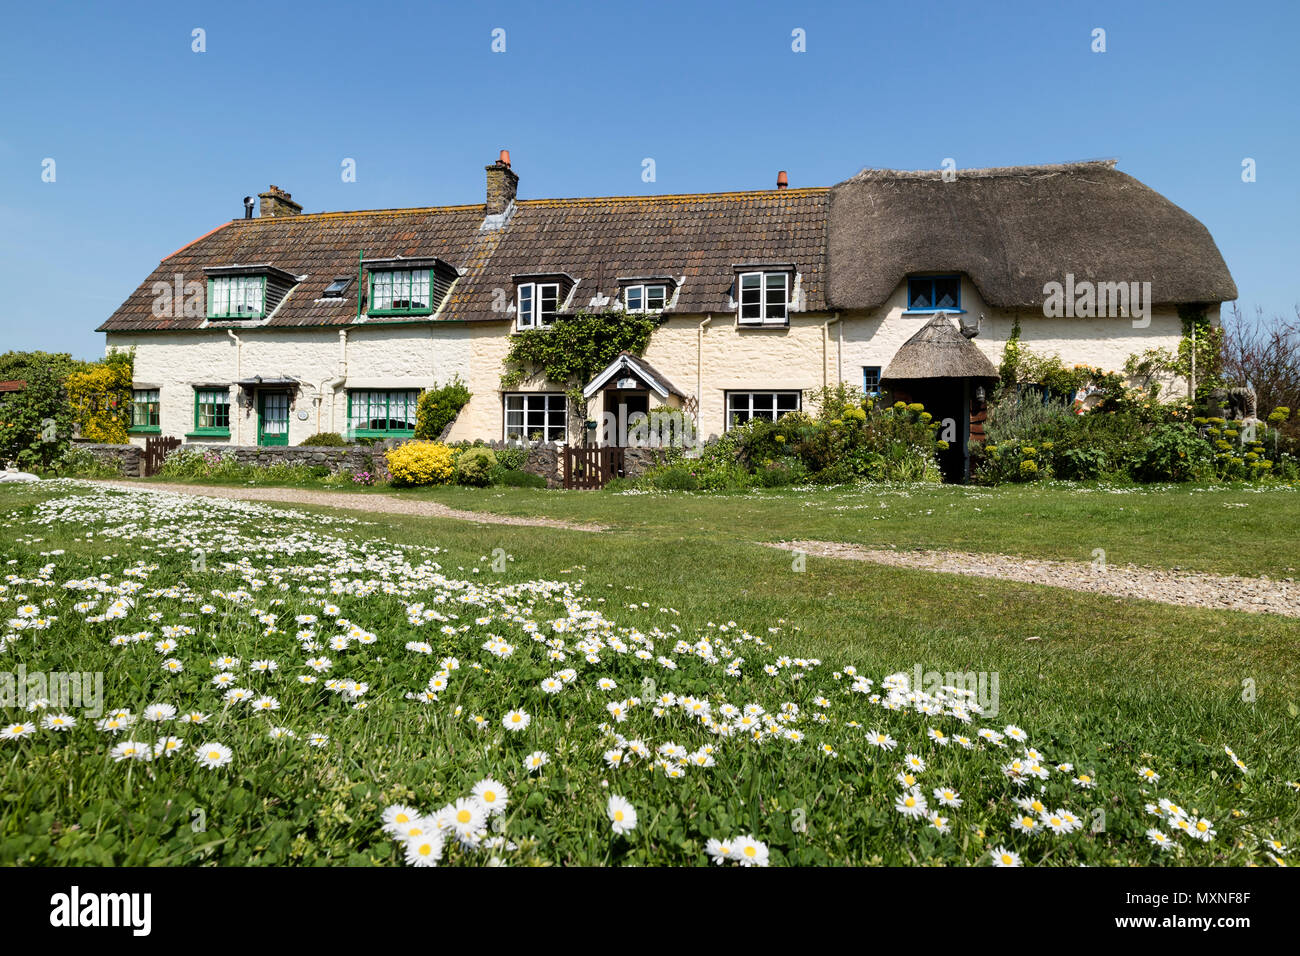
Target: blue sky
{"points": [[155, 144]]}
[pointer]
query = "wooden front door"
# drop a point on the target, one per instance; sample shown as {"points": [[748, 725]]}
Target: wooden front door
{"points": [[273, 418]]}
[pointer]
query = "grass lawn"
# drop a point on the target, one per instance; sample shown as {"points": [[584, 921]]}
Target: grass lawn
{"points": [[1107, 686]]}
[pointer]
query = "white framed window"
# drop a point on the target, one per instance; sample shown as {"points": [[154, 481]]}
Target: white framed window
{"points": [[645, 298], [537, 303], [742, 406], [536, 416], [764, 298]]}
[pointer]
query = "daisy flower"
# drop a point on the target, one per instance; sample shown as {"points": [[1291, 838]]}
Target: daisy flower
{"points": [[536, 761], [751, 852], [622, 815], [910, 803], [881, 740], [16, 731], [516, 720], [1159, 839], [720, 850], [213, 755], [491, 795], [167, 746], [947, 797], [1004, 857], [131, 750], [58, 721], [425, 849]]}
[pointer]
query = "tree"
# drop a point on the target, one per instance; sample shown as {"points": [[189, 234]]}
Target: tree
{"points": [[100, 396], [1265, 354]]}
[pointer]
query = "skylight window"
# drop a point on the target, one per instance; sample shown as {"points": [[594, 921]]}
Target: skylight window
{"points": [[336, 288]]}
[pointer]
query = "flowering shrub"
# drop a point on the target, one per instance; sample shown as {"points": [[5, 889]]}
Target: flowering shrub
{"points": [[418, 463]]}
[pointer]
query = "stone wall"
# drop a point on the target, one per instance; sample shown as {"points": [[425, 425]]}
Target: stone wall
{"points": [[352, 458], [129, 458]]}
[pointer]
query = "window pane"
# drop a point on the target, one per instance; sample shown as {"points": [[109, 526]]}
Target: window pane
{"points": [[919, 294], [550, 296], [655, 297], [525, 306], [947, 292], [634, 301], [787, 402], [776, 295]]}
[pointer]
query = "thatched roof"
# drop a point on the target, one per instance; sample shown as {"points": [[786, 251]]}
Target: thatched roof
{"points": [[1012, 230], [938, 350]]}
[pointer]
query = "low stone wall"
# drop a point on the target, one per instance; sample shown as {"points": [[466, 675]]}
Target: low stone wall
{"points": [[352, 458], [129, 458], [543, 460]]}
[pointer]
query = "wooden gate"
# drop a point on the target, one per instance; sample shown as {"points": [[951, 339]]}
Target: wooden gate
{"points": [[155, 450], [591, 467]]}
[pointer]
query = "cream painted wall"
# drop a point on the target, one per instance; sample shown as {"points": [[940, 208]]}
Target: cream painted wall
{"points": [[702, 356], [406, 356], [872, 338]]}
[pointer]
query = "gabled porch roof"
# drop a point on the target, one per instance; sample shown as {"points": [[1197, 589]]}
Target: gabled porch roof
{"points": [[642, 369]]}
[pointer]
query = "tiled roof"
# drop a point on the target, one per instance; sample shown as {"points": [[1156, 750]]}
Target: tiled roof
{"points": [[699, 237]]}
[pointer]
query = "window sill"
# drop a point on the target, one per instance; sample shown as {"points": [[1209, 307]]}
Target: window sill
{"points": [[740, 323], [400, 314], [372, 433], [144, 430], [225, 434], [933, 311]]}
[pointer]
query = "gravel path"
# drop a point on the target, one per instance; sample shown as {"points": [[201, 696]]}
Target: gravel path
{"points": [[1260, 595], [382, 504]]}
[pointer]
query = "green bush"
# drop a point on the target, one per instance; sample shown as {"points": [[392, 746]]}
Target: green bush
{"points": [[324, 440], [438, 408], [674, 477], [513, 478], [475, 466]]}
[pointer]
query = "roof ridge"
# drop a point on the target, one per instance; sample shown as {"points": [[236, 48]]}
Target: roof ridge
{"points": [[982, 172], [558, 200]]}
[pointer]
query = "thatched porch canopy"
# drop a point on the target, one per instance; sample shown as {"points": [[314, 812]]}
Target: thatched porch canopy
{"points": [[938, 350], [1014, 229]]}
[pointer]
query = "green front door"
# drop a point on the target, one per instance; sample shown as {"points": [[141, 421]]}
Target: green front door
{"points": [[273, 418]]}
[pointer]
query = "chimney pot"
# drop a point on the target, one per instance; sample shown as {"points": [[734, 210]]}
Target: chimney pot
{"points": [[504, 158], [782, 180]]}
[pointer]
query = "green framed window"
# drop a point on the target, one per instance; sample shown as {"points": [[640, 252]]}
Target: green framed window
{"points": [[401, 292], [144, 410], [382, 413], [212, 412], [236, 297]]}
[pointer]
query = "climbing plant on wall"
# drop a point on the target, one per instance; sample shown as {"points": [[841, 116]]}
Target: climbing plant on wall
{"points": [[576, 348]]}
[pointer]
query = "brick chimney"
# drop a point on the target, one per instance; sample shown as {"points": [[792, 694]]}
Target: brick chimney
{"points": [[277, 202], [501, 183]]}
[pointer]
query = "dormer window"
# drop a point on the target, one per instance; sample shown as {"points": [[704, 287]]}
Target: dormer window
{"points": [[539, 297], [401, 292], [538, 302], [236, 297], [934, 294], [246, 291], [645, 298], [764, 297], [407, 286]]}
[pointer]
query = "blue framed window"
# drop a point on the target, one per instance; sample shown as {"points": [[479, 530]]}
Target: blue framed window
{"points": [[934, 294], [871, 379]]}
